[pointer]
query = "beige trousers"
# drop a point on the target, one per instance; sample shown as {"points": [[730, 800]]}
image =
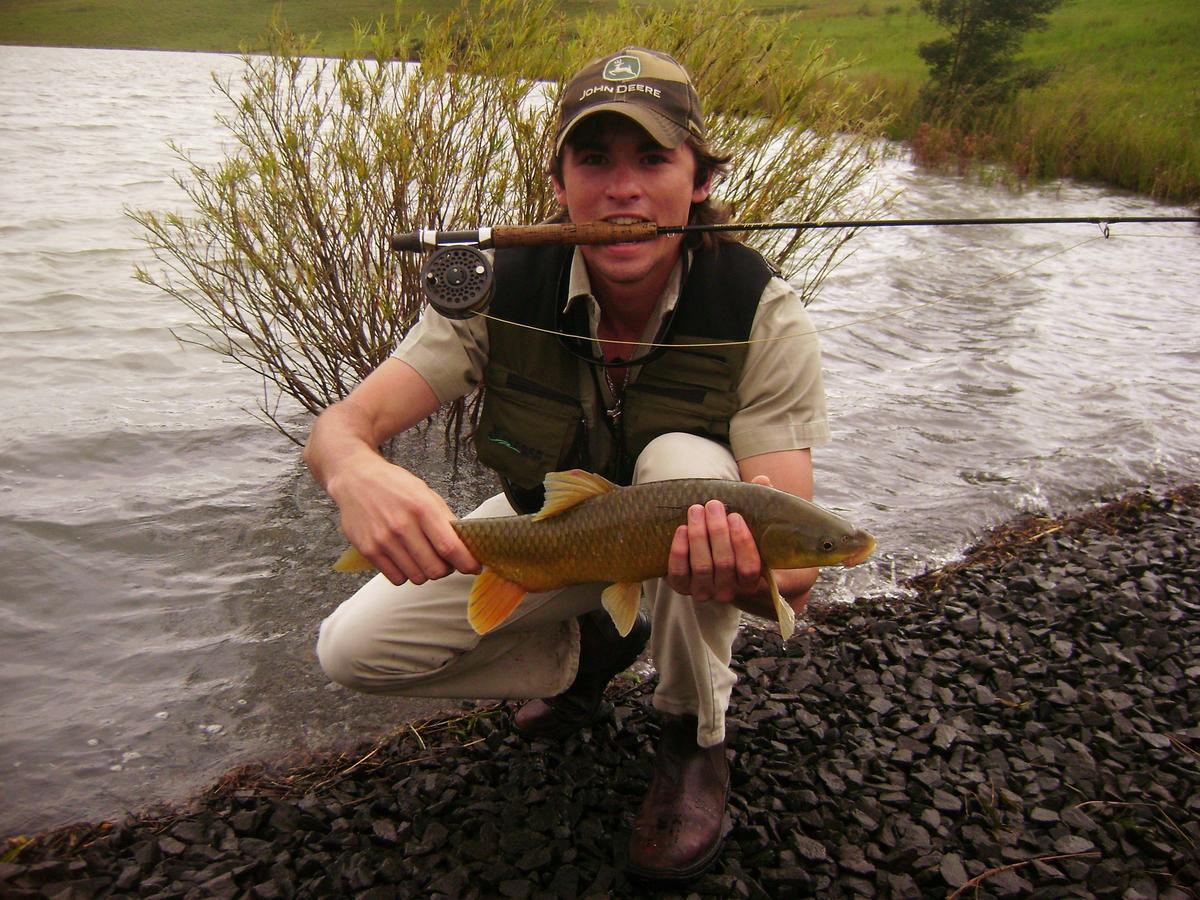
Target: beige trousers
{"points": [[414, 640]]}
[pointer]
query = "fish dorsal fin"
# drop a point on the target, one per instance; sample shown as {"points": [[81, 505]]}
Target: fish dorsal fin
{"points": [[565, 490]]}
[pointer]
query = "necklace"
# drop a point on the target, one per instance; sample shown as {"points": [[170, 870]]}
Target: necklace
{"points": [[618, 395]]}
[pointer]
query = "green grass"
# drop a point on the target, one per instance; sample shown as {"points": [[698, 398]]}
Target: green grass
{"points": [[1123, 105]]}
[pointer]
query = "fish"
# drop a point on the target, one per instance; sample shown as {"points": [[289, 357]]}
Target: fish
{"points": [[591, 530]]}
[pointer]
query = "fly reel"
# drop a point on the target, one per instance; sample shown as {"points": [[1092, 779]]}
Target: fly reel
{"points": [[458, 281]]}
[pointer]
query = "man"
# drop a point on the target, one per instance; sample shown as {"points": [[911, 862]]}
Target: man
{"points": [[630, 148]]}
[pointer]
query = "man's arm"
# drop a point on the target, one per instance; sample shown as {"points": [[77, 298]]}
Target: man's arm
{"points": [[714, 556], [392, 517]]}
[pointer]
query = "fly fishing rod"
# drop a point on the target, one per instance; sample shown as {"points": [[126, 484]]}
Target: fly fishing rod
{"points": [[457, 276]]}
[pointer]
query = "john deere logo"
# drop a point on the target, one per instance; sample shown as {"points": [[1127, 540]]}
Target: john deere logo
{"points": [[623, 68]]}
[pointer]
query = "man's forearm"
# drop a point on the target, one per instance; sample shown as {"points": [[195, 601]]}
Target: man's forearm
{"points": [[339, 436]]}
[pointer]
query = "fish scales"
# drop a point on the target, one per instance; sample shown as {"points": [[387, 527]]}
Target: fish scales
{"points": [[623, 535]]}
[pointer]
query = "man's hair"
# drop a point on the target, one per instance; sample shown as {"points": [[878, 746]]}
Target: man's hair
{"points": [[709, 163]]}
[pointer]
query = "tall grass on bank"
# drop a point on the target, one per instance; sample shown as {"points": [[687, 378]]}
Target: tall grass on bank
{"points": [[1035, 142]]}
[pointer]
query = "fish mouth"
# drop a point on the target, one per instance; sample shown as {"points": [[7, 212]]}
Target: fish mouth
{"points": [[866, 548]]}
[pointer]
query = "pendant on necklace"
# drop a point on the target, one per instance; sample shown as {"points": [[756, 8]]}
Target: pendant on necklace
{"points": [[614, 411]]}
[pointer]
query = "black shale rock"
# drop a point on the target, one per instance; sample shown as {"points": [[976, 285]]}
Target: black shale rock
{"points": [[1024, 724]]}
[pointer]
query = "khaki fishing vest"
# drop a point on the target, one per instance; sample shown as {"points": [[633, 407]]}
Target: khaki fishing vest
{"points": [[533, 422]]}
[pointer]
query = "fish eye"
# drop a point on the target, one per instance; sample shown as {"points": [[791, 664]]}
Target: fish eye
{"points": [[827, 545]]}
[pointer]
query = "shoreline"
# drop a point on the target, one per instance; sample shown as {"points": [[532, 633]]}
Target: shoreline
{"points": [[1026, 719]]}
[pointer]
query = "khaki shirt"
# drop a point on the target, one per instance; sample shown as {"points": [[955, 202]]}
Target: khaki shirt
{"points": [[781, 395]]}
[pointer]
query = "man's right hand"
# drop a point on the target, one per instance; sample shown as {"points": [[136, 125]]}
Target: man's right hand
{"points": [[399, 523], [391, 516]]}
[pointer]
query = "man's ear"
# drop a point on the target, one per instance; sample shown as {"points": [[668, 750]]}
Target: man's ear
{"points": [[560, 192], [703, 188]]}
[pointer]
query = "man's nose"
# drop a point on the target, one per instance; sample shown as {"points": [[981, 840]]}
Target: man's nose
{"points": [[624, 185]]}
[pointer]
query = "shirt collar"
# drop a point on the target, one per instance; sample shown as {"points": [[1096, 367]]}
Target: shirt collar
{"points": [[579, 289]]}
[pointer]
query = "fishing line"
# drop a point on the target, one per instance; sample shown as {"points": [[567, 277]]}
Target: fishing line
{"points": [[884, 315]]}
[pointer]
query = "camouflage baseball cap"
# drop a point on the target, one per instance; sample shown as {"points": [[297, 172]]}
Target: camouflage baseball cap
{"points": [[647, 86]]}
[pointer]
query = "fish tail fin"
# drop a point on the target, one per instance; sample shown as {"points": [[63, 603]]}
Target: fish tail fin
{"points": [[493, 599], [623, 600], [783, 610], [353, 561]]}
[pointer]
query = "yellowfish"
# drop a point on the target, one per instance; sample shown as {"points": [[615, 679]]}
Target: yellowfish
{"points": [[590, 530]]}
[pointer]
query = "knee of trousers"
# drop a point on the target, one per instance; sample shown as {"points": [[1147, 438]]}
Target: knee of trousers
{"points": [[679, 455], [353, 654]]}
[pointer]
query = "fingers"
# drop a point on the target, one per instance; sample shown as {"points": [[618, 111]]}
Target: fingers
{"points": [[422, 551], [713, 556], [406, 532]]}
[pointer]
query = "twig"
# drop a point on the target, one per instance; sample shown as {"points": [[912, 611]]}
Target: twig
{"points": [[1157, 807], [983, 876], [417, 735]]}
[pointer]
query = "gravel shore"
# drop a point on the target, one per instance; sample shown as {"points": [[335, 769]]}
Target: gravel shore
{"points": [[1025, 724]]}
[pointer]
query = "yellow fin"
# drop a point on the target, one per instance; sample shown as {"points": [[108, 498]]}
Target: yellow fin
{"points": [[783, 609], [493, 598], [567, 489], [353, 561], [623, 600]]}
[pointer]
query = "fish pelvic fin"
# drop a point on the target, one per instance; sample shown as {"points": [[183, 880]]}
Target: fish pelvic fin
{"points": [[622, 601], [565, 490], [493, 599], [353, 561], [783, 610]]}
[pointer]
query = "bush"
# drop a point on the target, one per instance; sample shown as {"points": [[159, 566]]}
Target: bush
{"points": [[284, 258]]}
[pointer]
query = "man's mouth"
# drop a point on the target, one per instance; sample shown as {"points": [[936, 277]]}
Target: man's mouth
{"points": [[627, 220]]}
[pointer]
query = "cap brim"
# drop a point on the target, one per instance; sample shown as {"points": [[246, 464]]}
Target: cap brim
{"points": [[658, 126]]}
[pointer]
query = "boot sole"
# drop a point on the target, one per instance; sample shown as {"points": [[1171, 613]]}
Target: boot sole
{"points": [[687, 873]]}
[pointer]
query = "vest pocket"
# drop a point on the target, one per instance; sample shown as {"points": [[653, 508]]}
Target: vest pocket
{"points": [[685, 391], [526, 429]]}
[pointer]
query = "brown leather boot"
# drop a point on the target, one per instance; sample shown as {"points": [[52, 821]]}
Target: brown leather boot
{"points": [[678, 832], [603, 654]]}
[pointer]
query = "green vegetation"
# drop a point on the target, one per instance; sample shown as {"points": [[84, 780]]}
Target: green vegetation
{"points": [[283, 259], [975, 64], [1121, 105]]}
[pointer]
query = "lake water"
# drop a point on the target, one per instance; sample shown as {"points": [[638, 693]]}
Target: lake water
{"points": [[164, 559]]}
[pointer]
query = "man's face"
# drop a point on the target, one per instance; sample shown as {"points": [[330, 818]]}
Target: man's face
{"points": [[617, 173]]}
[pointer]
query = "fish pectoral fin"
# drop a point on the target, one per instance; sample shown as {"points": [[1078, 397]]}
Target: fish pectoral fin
{"points": [[353, 561], [783, 610], [623, 600], [493, 599], [565, 490]]}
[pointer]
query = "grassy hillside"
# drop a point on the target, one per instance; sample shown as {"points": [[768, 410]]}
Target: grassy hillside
{"points": [[1123, 105]]}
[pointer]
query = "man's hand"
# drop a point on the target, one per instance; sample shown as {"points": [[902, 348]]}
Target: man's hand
{"points": [[714, 558], [397, 522], [390, 515]]}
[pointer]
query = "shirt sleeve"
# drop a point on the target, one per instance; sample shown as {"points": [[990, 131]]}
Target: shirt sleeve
{"points": [[448, 353], [781, 393]]}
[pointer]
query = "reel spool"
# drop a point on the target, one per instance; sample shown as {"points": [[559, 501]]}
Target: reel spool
{"points": [[458, 281]]}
